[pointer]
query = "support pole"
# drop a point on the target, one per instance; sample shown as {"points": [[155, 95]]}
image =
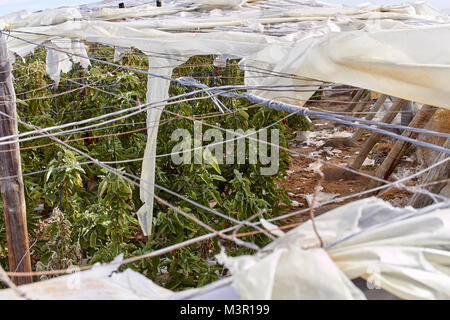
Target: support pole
{"points": [[401, 147], [358, 133], [12, 191], [366, 107], [361, 106], [355, 99], [375, 137]]}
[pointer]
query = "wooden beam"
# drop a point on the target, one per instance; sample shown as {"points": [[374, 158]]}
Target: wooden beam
{"points": [[358, 133], [355, 99], [375, 137], [361, 105], [401, 147], [366, 106], [12, 188]]}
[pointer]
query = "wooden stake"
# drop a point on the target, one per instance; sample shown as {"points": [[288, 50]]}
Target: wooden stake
{"points": [[401, 147], [12, 188], [366, 106], [361, 105], [375, 137], [358, 133]]}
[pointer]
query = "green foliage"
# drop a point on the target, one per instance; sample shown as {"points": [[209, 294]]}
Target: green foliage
{"points": [[88, 215]]}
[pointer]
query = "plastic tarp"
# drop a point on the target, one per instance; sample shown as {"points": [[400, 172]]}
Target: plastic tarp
{"points": [[26, 19], [385, 49], [401, 250], [58, 61], [100, 282], [158, 91], [409, 257]]}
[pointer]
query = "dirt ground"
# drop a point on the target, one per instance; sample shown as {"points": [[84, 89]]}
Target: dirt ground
{"points": [[338, 148]]}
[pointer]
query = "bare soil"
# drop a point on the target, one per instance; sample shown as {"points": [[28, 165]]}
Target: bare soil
{"points": [[344, 150]]}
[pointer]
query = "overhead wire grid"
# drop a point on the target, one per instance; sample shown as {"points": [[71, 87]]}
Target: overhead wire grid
{"points": [[229, 91]]}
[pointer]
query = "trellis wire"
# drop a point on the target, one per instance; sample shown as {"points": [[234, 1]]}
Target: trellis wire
{"points": [[342, 119]]}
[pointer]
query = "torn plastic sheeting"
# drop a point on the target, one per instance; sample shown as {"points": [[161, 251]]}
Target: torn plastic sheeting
{"points": [[280, 11], [368, 162], [134, 12], [211, 4], [100, 282], [415, 108], [290, 274], [358, 58], [404, 68], [320, 198], [57, 61], [25, 19], [271, 227], [104, 282], [157, 91], [408, 258], [119, 52], [300, 13], [79, 49], [324, 55], [147, 10], [405, 255]]}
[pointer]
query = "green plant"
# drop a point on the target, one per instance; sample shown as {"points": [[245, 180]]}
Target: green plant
{"points": [[93, 212]]}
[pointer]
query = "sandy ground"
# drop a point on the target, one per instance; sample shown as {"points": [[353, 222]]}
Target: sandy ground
{"points": [[333, 143]]}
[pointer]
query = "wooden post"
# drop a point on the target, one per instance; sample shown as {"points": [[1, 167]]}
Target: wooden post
{"points": [[439, 173], [366, 106], [355, 99], [401, 147], [375, 137], [12, 188], [358, 133], [361, 105]]}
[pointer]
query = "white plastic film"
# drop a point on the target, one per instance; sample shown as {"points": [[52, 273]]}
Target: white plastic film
{"points": [[157, 93], [408, 257]]}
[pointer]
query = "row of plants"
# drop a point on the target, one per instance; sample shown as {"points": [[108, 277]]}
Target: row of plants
{"points": [[82, 214]]}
